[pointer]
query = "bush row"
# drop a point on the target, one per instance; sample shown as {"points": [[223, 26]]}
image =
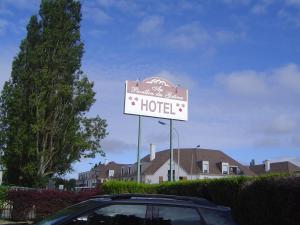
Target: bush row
{"points": [[44, 202], [265, 200]]}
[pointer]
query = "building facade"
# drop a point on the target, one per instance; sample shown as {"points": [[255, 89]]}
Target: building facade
{"points": [[102, 173], [188, 164], [275, 167]]}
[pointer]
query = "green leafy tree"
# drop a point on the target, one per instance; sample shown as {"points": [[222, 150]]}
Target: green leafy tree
{"points": [[43, 122]]}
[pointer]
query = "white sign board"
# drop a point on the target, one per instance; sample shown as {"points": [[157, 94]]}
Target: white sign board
{"points": [[156, 97]]}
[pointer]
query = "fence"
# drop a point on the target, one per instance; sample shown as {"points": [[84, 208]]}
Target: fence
{"points": [[6, 209], [6, 212]]}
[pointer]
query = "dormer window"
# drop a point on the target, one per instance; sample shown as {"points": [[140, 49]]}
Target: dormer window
{"points": [[234, 170], [129, 170], [225, 168], [111, 173], [205, 166]]}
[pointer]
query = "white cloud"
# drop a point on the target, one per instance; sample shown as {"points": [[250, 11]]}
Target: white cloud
{"points": [[176, 79], [151, 25], [293, 2], [258, 9], [119, 4], [111, 145], [3, 26], [261, 7], [21, 4], [285, 79], [282, 124], [288, 77], [296, 140], [244, 83], [96, 15], [188, 36], [237, 2], [6, 58], [289, 17]]}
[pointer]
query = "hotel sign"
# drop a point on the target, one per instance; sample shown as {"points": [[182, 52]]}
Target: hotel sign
{"points": [[156, 97]]}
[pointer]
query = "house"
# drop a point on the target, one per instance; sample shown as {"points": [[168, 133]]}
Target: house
{"points": [[87, 179], [194, 163], [112, 170], [188, 164], [102, 173], [275, 167]]}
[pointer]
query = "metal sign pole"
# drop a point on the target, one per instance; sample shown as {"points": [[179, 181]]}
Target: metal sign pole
{"points": [[171, 150], [138, 153]]}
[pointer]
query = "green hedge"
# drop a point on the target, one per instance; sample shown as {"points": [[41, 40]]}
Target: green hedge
{"points": [[125, 187], [264, 200]]}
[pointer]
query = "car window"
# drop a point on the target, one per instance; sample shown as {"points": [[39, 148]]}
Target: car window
{"points": [[216, 217], [169, 215], [67, 212], [115, 215]]}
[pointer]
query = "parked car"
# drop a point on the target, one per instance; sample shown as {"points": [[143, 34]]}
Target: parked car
{"points": [[136, 209]]}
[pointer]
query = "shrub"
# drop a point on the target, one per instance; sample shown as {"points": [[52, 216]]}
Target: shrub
{"points": [[45, 202], [125, 187], [264, 200], [269, 201]]}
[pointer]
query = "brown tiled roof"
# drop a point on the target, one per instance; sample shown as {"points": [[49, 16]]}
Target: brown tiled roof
{"points": [[102, 169], [276, 167], [190, 159]]}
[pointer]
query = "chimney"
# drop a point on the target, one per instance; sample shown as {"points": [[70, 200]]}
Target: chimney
{"points": [[267, 165], [106, 162], [152, 152]]}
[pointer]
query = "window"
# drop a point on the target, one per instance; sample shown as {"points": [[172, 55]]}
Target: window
{"points": [[168, 215], [111, 173], [225, 168], [214, 217], [61, 215], [115, 215], [129, 170], [122, 171], [205, 166], [234, 170]]}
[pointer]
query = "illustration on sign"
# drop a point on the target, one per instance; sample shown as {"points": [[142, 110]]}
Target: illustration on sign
{"points": [[156, 97]]}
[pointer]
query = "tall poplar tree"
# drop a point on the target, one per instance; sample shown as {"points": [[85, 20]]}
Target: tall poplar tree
{"points": [[43, 122]]}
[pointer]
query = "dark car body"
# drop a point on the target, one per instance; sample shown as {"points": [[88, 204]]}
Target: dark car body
{"points": [[135, 209]]}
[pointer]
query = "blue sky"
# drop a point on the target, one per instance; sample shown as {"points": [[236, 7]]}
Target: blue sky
{"points": [[240, 60]]}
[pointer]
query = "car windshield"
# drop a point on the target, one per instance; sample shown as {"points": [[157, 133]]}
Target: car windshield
{"points": [[67, 212]]}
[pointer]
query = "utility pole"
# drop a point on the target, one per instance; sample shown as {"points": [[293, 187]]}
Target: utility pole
{"points": [[138, 169], [171, 150]]}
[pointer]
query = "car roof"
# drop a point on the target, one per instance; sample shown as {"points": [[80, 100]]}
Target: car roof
{"points": [[160, 199]]}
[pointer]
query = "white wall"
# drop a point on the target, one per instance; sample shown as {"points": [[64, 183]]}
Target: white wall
{"points": [[163, 171]]}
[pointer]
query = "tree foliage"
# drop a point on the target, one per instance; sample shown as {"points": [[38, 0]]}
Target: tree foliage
{"points": [[43, 122]]}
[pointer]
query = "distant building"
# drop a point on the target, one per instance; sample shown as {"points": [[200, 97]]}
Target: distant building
{"points": [[102, 173], [194, 163], [87, 179], [276, 167], [111, 171]]}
